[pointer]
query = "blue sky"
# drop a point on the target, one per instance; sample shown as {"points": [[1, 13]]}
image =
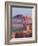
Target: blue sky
{"points": [[23, 11]]}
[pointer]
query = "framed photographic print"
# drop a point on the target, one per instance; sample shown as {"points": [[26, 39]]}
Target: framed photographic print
{"points": [[20, 22]]}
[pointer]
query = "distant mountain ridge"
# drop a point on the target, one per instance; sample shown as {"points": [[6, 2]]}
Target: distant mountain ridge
{"points": [[21, 16], [18, 16], [21, 19]]}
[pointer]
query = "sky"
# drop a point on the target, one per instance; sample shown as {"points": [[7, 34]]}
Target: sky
{"points": [[22, 11]]}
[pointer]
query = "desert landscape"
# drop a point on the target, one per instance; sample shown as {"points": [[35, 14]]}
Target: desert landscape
{"points": [[21, 26]]}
